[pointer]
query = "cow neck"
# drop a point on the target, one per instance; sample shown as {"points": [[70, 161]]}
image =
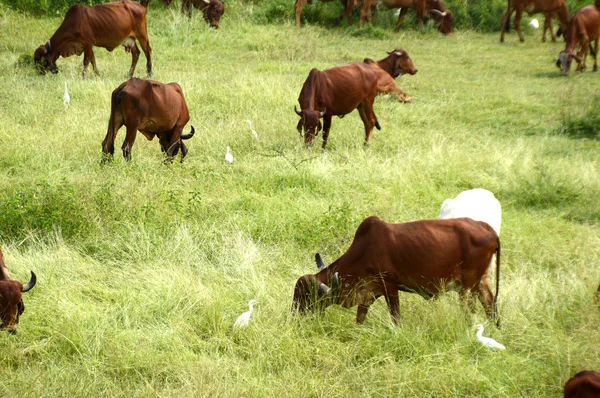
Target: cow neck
{"points": [[387, 64]]}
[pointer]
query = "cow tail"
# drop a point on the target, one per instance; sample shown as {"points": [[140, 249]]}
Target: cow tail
{"points": [[497, 275]]}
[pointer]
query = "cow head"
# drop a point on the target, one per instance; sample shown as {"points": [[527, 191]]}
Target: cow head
{"points": [[311, 294], [45, 58], [310, 121], [443, 19], [212, 12], [402, 64], [11, 303], [565, 59]]}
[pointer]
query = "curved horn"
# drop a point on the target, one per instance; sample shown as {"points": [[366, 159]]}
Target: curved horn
{"points": [[297, 111], [320, 264], [324, 289], [188, 136], [323, 113], [398, 53], [206, 1], [30, 284], [48, 47], [443, 14]]}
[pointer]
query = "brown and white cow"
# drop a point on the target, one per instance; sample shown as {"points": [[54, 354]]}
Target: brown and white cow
{"points": [[336, 92], [583, 28], [425, 257], [585, 384], [396, 64], [106, 25], [153, 108], [548, 7], [436, 8], [11, 301]]}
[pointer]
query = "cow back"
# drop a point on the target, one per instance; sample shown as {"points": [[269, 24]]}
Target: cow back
{"points": [[585, 384]]}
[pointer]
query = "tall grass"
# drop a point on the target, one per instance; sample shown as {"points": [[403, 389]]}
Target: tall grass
{"points": [[143, 267]]}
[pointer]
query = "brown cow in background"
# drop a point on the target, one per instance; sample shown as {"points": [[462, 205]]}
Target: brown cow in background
{"points": [[548, 7], [211, 9], [336, 92], [153, 108], [106, 25], [436, 8], [585, 384], [396, 64], [425, 257], [11, 302], [583, 28]]}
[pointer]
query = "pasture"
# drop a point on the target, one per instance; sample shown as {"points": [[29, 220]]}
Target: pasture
{"points": [[143, 267]]}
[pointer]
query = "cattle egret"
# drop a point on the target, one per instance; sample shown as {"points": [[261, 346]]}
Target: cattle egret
{"points": [[254, 133], [66, 97], [228, 156], [534, 23], [487, 341], [244, 319]]}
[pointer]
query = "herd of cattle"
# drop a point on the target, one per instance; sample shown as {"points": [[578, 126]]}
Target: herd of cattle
{"points": [[427, 257]]}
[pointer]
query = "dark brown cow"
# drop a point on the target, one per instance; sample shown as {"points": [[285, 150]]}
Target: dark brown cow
{"points": [[347, 4], [153, 108], [436, 8], [426, 257], [211, 9], [11, 302], [336, 92], [396, 64], [548, 7], [106, 25], [583, 28], [585, 384]]}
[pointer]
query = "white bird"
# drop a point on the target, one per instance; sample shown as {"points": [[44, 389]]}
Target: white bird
{"points": [[66, 97], [244, 319], [534, 23], [228, 156], [487, 341], [254, 133]]}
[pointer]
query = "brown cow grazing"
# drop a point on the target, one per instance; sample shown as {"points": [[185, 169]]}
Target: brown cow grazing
{"points": [[11, 302], [212, 10], [436, 8], [585, 384], [583, 28], [548, 7], [336, 92], [425, 257], [153, 108], [106, 25], [396, 64]]}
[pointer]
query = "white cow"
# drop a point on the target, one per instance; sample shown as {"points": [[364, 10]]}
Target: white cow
{"points": [[478, 204]]}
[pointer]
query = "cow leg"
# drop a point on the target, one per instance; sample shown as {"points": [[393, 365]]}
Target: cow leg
{"points": [[361, 314], [368, 116], [596, 54], [186, 8], [349, 5], [392, 301], [108, 145], [466, 297], [135, 55], [128, 143], [174, 144], [141, 34], [420, 11], [326, 127], [400, 18], [88, 55], [298, 9], [517, 22], [505, 20], [364, 12], [548, 26]]}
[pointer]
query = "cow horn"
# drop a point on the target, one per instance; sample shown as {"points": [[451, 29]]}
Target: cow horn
{"points": [[188, 136], [30, 284], [48, 47], [443, 14], [320, 264], [324, 289], [398, 53], [323, 113], [297, 111], [206, 1]]}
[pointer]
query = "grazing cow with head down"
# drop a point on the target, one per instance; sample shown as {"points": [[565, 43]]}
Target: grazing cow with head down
{"points": [[583, 28], [106, 25], [436, 8], [211, 9], [396, 64], [336, 92], [548, 7], [153, 108], [425, 257], [585, 384], [11, 302]]}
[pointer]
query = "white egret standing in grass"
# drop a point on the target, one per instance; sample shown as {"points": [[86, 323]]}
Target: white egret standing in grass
{"points": [[534, 23], [487, 341], [228, 156], [254, 133], [66, 97], [244, 319]]}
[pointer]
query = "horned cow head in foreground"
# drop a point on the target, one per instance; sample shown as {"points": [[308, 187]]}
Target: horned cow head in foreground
{"points": [[11, 302]]}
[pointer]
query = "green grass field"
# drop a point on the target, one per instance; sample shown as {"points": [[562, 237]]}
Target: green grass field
{"points": [[143, 267]]}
